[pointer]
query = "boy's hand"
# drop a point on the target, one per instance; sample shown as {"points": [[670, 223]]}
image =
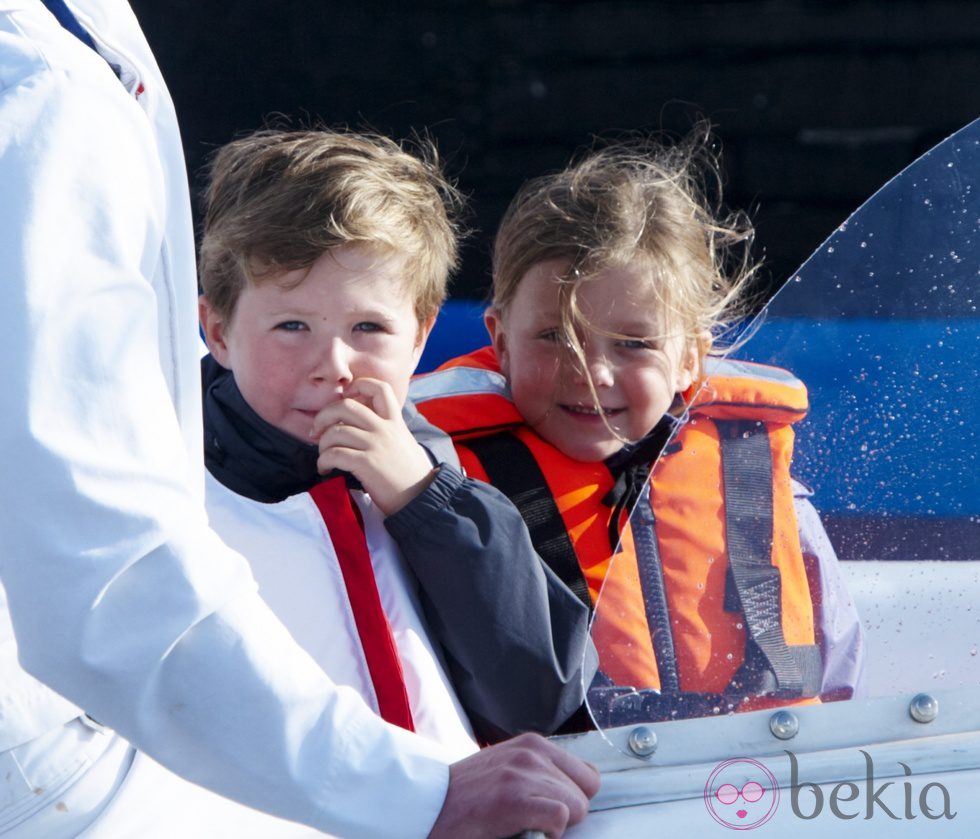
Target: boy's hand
{"points": [[364, 434]]}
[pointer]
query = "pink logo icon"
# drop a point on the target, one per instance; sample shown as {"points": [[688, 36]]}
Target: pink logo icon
{"points": [[741, 794]]}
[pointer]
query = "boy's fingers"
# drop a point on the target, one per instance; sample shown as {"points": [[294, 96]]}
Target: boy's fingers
{"points": [[380, 394], [348, 412], [363, 400], [343, 435], [344, 458]]}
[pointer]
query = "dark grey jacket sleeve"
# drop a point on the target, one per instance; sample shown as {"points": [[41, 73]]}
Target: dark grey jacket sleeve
{"points": [[515, 638]]}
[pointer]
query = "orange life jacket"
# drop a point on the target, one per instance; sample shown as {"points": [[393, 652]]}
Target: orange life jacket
{"points": [[735, 615]]}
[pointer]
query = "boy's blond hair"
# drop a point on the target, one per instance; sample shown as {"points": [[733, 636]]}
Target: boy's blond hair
{"points": [[279, 199], [633, 201]]}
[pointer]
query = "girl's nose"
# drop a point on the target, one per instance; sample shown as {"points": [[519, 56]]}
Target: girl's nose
{"points": [[598, 366], [601, 372]]}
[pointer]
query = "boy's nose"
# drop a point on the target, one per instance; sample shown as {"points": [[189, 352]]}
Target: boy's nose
{"points": [[332, 364]]}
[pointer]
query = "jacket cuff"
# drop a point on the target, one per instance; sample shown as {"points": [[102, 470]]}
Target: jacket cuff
{"points": [[437, 496]]}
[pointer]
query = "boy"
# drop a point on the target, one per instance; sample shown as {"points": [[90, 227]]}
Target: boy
{"points": [[324, 262]]}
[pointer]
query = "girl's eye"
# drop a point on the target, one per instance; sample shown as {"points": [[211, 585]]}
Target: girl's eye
{"points": [[291, 326], [554, 336], [636, 344]]}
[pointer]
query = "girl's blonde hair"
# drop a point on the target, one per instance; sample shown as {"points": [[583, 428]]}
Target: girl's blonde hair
{"points": [[279, 199], [634, 201]]}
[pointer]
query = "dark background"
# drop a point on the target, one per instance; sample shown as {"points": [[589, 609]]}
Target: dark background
{"points": [[816, 104]]}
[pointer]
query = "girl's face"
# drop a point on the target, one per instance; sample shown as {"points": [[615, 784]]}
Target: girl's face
{"points": [[636, 378]]}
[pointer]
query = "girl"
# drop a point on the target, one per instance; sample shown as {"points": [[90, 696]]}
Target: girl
{"points": [[613, 282]]}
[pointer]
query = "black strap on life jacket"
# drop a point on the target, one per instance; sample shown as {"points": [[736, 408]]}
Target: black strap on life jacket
{"points": [[771, 666], [651, 572], [512, 469]]}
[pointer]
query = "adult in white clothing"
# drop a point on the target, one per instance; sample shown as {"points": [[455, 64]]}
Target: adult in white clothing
{"points": [[121, 597]]}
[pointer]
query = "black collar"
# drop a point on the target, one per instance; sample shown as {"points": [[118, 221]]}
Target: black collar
{"points": [[243, 451], [645, 450], [630, 468]]}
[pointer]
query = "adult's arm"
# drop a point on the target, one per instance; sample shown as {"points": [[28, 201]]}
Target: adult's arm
{"points": [[516, 639], [121, 597]]}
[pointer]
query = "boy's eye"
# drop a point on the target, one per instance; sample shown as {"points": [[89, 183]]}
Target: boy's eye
{"points": [[291, 326], [368, 326]]}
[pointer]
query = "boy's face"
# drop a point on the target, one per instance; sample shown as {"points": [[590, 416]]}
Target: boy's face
{"points": [[295, 348], [636, 379]]}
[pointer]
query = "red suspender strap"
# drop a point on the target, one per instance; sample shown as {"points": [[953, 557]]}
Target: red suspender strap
{"points": [[343, 523]]}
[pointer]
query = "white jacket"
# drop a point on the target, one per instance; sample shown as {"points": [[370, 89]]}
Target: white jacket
{"points": [[122, 597], [299, 576]]}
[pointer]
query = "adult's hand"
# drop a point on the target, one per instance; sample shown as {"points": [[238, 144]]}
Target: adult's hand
{"points": [[527, 783]]}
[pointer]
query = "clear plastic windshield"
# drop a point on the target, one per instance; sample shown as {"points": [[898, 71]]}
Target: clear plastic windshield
{"points": [[743, 582]]}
